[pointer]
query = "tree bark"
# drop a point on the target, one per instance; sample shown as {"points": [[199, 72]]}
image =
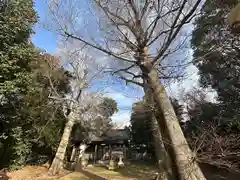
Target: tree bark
{"points": [[57, 163], [182, 155], [163, 161]]}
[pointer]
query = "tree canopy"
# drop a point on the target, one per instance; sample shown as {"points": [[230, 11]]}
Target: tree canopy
{"points": [[48, 102], [218, 52]]}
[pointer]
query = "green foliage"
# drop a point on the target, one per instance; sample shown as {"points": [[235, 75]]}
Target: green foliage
{"points": [[213, 129], [201, 114], [31, 122], [40, 118], [99, 125], [20, 148], [141, 131], [219, 55], [141, 128], [16, 24], [103, 123], [108, 107]]}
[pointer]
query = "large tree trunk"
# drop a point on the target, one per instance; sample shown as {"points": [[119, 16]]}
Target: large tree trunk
{"points": [[164, 163], [182, 155], [57, 163]]}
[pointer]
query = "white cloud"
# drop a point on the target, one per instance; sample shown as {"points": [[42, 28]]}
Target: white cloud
{"points": [[124, 99], [124, 96], [179, 89], [121, 116], [122, 119]]}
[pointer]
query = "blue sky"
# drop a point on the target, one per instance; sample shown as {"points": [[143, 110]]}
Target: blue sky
{"points": [[43, 38], [124, 95]]}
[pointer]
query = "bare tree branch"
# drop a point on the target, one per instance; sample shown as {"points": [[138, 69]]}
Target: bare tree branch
{"points": [[131, 81], [187, 18], [99, 48]]}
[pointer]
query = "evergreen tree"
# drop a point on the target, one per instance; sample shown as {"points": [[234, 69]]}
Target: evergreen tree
{"points": [[16, 26], [216, 125], [141, 123], [218, 54], [31, 122], [16, 51]]}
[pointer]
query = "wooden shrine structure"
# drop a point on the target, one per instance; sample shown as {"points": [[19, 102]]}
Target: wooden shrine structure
{"points": [[111, 145]]}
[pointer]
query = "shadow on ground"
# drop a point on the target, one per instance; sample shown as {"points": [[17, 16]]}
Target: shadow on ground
{"points": [[215, 173], [82, 174], [135, 171], [141, 171], [91, 175]]}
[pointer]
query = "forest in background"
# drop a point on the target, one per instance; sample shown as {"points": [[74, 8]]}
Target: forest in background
{"points": [[40, 97], [32, 119]]}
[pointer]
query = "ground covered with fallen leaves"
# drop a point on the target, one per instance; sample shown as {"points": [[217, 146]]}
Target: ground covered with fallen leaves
{"points": [[131, 172], [34, 173]]}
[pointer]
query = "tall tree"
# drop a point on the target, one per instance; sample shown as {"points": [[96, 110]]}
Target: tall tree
{"points": [[140, 123], [106, 109], [46, 115], [218, 52], [79, 104], [16, 26], [141, 131], [142, 34], [217, 48], [145, 132], [31, 117], [17, 21]]}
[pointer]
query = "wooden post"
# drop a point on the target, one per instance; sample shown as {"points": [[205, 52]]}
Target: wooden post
{"points": [[73, 155], [110, 152], [95, 154], [124, 152], [102, 151], [103, 157]]}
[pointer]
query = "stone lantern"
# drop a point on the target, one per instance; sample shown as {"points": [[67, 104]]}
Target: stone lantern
{"points": [[82, 162], [120, 162]]}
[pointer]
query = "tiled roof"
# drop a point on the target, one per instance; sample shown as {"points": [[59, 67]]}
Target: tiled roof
{"points": [[114, 134]]}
